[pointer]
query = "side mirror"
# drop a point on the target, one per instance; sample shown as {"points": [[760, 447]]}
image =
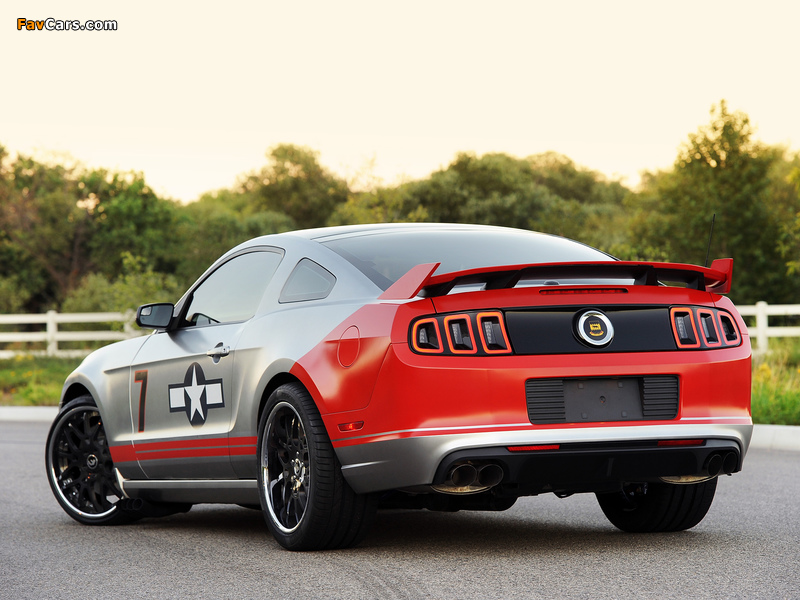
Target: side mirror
{"points": [[155, 316]]}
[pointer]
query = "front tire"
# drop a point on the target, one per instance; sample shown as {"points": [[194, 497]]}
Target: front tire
{"points": [[79, 466], [307, 503], [658, 507]]}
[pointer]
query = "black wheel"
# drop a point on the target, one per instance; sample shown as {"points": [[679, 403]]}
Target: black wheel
{"points": [[79, 466], [658, 507], [307, 503]]}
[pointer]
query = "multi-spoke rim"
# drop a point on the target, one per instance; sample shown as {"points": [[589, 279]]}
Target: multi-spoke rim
{"points": [[286, 468], [81, 466]]}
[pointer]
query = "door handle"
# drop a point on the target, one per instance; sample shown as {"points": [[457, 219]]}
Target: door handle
{"points": [[219, 351]]}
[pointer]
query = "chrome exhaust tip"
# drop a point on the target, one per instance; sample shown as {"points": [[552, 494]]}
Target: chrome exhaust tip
{"points": [[463, 475], [470, 478], [714, 465], [490, 475], [730, 462]]}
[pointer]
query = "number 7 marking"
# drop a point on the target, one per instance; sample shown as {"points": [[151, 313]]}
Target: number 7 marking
{"points": [[141, 377]]}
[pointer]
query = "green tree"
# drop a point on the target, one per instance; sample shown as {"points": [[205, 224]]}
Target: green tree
{"points": [[790, 240], [296, 184], [494, 189], [13, 295], [60, 224], [566, 180], [545, 192], [44, 230], [128, 217], [584, 205], [380, 205], [208, 228], [721, 170], [135, 284]]}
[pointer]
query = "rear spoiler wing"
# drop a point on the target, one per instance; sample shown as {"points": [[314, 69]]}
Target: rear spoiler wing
{"points": [[715, 279]]}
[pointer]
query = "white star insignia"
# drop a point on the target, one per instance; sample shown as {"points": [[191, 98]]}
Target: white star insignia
{"points": [[194, 392], [196, 395]]}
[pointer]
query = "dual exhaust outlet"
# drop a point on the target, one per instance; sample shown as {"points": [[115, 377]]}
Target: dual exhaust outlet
{"points": [[471, 478], [716, 464], [721, 463]]}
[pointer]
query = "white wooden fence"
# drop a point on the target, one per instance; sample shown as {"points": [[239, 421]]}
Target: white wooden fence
{"points": [[49, 336], [762, 330]]}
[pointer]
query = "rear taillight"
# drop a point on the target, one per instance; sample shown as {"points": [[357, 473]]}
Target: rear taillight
{"points": [[703, 328], [470, 333], [683, 327], [730, 334], [425, 337], [708, 327], [493, 333], [459, 334]]}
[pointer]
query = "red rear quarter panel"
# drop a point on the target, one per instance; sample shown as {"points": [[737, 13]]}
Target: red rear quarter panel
{"points": [[341, 371]]}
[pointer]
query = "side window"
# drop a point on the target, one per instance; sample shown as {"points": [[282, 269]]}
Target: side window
{"points": [[308, 281], [233, 291]]}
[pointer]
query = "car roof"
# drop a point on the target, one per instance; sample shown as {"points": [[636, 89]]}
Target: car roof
{"points": [[329, 233]]}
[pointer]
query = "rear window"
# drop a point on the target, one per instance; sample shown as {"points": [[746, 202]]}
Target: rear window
{"points": [[386, 256], [308, 281]]}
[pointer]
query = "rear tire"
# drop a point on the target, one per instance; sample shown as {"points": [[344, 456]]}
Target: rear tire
{"points": [[307, 503], [658, 507]]}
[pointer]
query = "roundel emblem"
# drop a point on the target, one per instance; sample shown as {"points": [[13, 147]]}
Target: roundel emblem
{"points": [[595, 328]]}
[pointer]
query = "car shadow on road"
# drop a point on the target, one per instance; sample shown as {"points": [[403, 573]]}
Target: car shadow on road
{"points": [[510, 534], [464, 532]]}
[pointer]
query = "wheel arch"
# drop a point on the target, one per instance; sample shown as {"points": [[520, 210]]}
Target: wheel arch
{"points": [[75, 390], [81, 384], [273, 384]]}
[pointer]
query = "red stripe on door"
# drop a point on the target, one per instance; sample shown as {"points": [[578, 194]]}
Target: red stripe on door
{"points": [[195, 448]]}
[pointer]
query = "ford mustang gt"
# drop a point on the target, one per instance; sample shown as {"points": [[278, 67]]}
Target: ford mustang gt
{"points": [[319, 375]]}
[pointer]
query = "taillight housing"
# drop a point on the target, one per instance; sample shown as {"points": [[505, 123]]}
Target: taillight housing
{"points": [[425, 337], [730, 333], [684, 328], [703, 328], [707, 324], [477, 333], [460, 338], [493, 333]]}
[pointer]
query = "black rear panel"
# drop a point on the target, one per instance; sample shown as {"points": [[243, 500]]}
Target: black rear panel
{"points": [[552, 331]]}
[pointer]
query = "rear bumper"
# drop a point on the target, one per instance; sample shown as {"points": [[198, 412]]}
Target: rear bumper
{"points": [[588, 458]]}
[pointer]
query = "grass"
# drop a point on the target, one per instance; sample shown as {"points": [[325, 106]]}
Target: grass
{"points": [[776, 384], [37, 381], [33, 381]]}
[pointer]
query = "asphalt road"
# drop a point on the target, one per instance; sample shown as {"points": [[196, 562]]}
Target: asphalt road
{"points": [[747, 547]]}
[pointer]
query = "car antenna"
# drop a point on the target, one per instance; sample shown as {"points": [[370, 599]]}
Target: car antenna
{"points": [[710, 233]]}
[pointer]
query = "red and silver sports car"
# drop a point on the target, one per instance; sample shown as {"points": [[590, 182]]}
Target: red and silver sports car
{"points": [[321, 374]]}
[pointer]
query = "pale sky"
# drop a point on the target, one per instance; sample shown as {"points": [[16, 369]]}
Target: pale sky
{"points": [[193, 94]]}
